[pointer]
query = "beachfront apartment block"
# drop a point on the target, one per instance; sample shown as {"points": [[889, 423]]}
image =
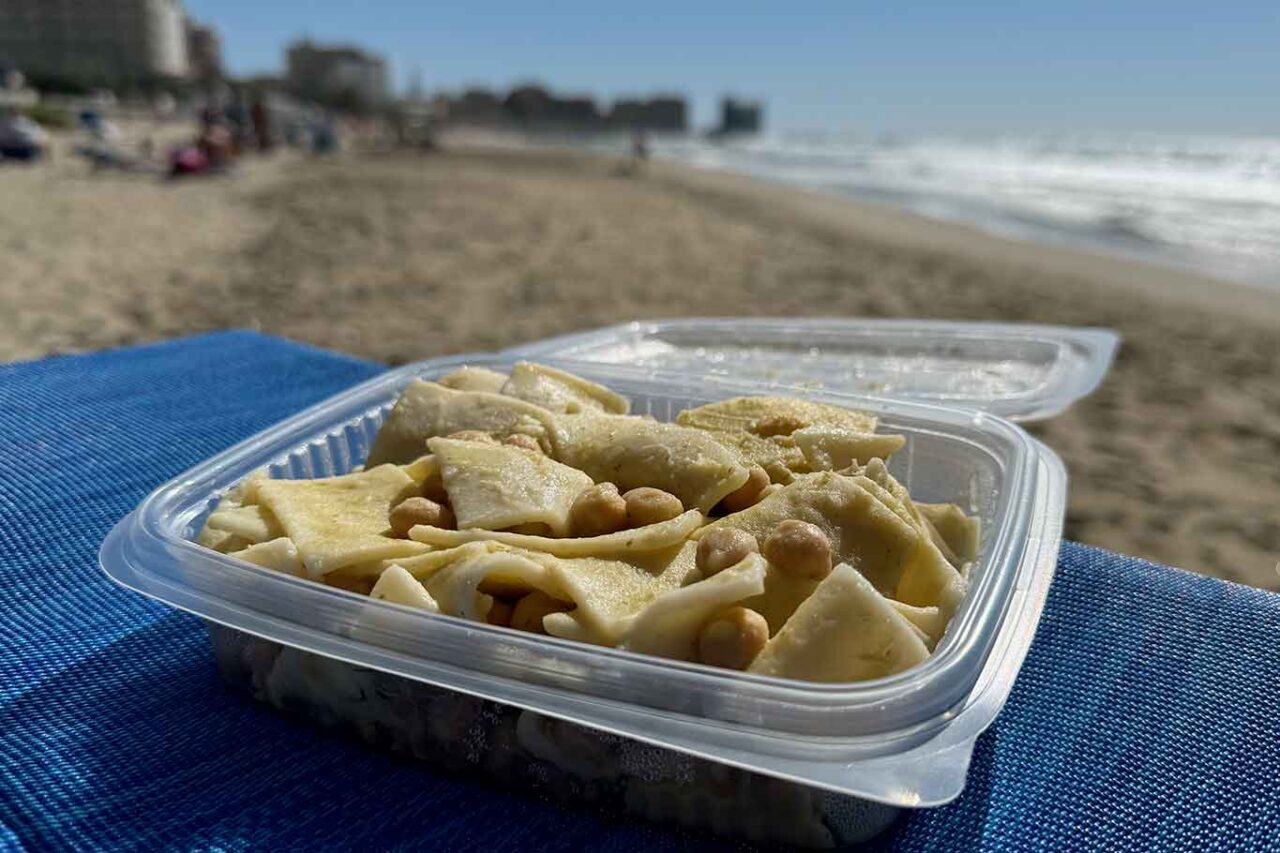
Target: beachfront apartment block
{"points": [[204, 50], [339, 75], [739, 116], [533, 107], [664, 113], [94, 42]]}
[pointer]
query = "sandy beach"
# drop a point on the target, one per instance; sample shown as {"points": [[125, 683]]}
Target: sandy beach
{"points": [[398, 257]]}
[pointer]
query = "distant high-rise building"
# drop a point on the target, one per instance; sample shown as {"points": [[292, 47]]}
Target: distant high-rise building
{"points": [[94, 42], [204, 50], [339, 75], [533, 107], [474, 106], [737, 116], [417, 91], [663, 113]]}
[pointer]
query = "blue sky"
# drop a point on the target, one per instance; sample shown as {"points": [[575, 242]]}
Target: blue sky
{"points": [[963, 66]]}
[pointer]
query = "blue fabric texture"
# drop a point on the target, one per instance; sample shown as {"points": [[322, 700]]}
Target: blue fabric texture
{"points": [[1145, 718]]}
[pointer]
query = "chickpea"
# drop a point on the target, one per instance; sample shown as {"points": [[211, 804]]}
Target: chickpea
{"points": [[499, 613], [524, 442], [599, 510], [414, 511], [472, 435], [529, 611], [733, 639], [750, 493], [799, 548], [723, 547], [647, 506]]}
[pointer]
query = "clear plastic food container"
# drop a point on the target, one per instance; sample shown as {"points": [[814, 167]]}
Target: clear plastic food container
{"points": [[820, 765]]}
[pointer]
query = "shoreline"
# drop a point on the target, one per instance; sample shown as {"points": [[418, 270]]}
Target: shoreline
{"points": [[1253, 302], [1176, 260]]}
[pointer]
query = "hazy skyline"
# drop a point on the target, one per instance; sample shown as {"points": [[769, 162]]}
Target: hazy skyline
{"points": [[1172, 67]]}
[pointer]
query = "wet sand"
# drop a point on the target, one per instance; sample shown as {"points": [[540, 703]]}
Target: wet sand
{"points": [[1176, 458]]}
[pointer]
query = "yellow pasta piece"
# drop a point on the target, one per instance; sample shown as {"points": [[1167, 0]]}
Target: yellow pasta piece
{"points": [[251, 523], [427, 409], [456, 587], [494, 486], [780, 597], [341, 521], [279, 555], [779, 457], [844, 631], [244, 492], [399, 587], [770, 416], [632, 451], [606, 593], [652, 537], [609, 593], [763, 429], [474, 379], [424, 565], [668, 627], [929, 578], [422, 469], [561, 392], [959, 532], [931, 621], [221, 540], [828, 448]]}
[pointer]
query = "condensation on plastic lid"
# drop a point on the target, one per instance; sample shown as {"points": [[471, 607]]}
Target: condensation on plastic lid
{"points": [[1021, 372]]}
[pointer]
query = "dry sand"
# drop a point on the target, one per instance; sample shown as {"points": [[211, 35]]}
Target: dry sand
{"points": [[1175, 458]]}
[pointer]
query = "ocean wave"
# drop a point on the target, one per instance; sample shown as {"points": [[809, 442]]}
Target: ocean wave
{"points": [[1208, 202]]}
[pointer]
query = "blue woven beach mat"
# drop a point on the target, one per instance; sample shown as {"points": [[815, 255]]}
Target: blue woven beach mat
{"points": [[1145, 718]]}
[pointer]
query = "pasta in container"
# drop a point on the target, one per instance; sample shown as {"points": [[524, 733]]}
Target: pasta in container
{"points": [[684, 598], [669, 539]]}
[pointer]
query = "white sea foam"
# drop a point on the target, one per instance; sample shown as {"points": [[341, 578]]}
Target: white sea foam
{"points": [[1212, 204]]}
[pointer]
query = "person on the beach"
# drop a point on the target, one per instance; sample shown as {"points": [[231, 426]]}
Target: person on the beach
{"points": [[214, 142], [20, 137], [639, 146], [263, 130]]}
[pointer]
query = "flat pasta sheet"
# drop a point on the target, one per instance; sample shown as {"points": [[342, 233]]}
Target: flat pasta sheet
{"points": [[396, 585], [251, 523], [845, 631], [494, 486], [279, 555], [631, 452], [786, 436], [475, 379], [427, 409], [653, 537], [668, 627], [340, 521], [562, 392]]}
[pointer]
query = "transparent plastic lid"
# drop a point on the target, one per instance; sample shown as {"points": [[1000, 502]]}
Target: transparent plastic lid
{"points": [[1021, 372]]}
